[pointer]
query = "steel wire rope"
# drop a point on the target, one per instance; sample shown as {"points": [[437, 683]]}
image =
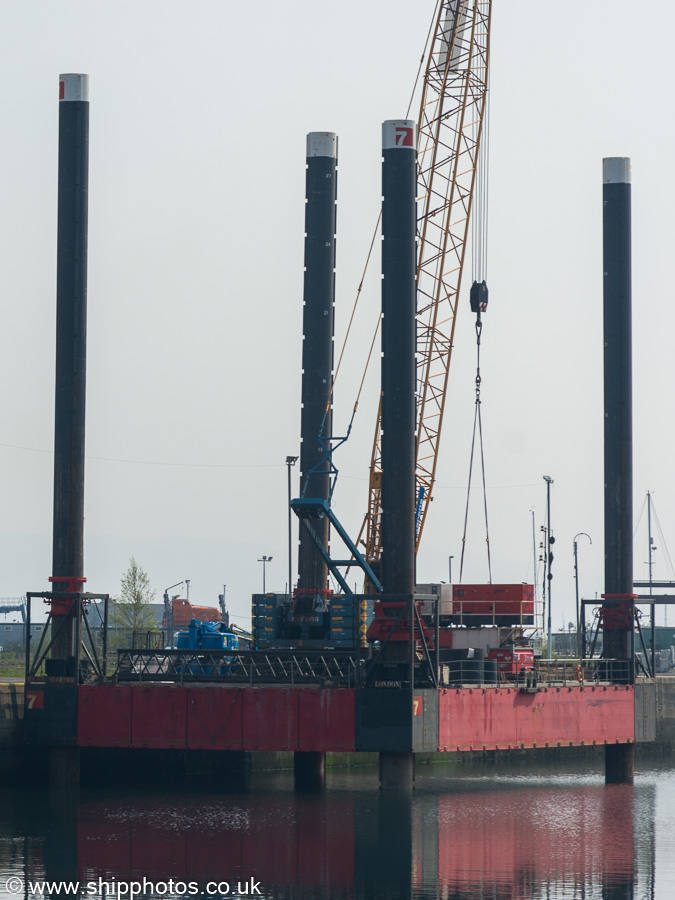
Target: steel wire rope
{"points": [[479, 225], [662, 537], [432, 28], [482, 155], [637, 524], [665, 547], [374, 238], [479, 257], [477, 422], [351, 321], [639, 519], [432, 25], [327, 450], [363, 277]]}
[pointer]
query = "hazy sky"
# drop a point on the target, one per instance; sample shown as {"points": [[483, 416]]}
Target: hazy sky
{"points": [[199, 114]]}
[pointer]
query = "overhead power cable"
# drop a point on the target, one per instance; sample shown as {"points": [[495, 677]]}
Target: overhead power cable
{"points": [[155, 462]]}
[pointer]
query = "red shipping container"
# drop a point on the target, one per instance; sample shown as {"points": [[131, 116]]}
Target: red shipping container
{"points": [[498, 604]]}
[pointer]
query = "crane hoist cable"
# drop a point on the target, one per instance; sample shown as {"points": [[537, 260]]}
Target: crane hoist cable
{"points": [[479, 217], [479, 302], [477, 427]]}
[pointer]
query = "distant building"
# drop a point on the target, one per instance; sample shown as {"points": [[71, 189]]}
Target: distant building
{"points": [[13, 634], [565, 643]]}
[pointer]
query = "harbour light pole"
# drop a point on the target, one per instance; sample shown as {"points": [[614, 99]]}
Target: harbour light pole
{"points": [[168, 611], [264, 560], [290, 461], [549, 558], [576, 586]]}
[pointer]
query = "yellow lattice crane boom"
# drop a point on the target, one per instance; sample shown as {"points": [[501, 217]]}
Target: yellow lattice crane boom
{"points": [[450, 127]]}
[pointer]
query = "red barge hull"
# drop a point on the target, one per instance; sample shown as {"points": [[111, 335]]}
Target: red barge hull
{"points": [[215, 717]]}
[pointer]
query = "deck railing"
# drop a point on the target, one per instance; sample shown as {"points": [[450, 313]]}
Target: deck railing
{"points": [[546, 673], [328, 667], [333, 668]]}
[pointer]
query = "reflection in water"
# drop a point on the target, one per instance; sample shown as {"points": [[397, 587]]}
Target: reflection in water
{"points": [[280, 839], [509, 845], [465, 837]]}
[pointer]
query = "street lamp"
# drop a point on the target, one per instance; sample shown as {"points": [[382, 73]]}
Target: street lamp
{"points": [[576, 585], [450, 559], [549, 557], [264, 560], [290, 461], [168, 612]]}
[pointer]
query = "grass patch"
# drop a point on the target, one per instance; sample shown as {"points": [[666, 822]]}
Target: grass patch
{"points": [[12, 664]]}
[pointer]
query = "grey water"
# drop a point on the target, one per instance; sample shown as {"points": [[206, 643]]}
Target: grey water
{"points": [[472, 831]]}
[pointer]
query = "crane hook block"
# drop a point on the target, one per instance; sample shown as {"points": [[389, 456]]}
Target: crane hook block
{"points": [[479, 296]]}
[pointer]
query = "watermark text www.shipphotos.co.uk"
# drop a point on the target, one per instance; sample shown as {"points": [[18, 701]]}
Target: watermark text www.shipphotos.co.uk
{"points": [[128, 890]]}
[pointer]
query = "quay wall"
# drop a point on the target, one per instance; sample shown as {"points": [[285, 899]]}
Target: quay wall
{"points": [[661, 705], [11, 726]]}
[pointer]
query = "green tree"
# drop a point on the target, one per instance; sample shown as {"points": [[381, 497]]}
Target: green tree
{"points": [[131, 610]]}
